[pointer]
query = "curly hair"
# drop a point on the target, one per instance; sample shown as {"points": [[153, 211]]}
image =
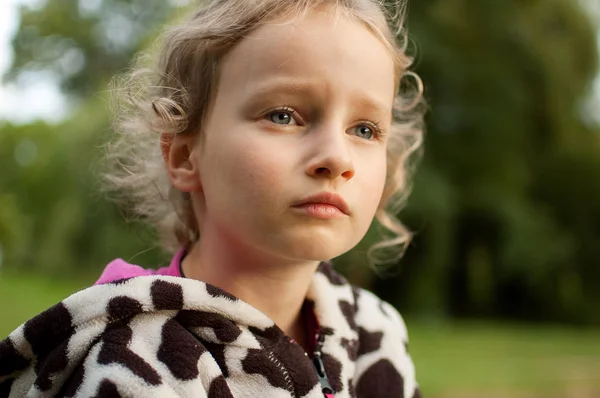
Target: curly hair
{"points": [[173, 97]]}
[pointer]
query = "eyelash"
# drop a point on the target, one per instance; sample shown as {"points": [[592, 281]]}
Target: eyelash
{"points": [[283, 109], [375, 126]]}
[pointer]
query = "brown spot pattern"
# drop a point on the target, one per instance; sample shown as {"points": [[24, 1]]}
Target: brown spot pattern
{"points": [[282, 364], [115, 350], [300, 370], [11, 361], [219, 388], [107, 389], [381, 380], [224, 328], [217, 351], [326, 331], [121, 307], [368, 342], [351, 389], [257, 362], [326, 268], [5, 387], [53, 363], [290, 356], [166, 295], [269, 335], [349, 312], [333, 369], [46, 334], [179, 351], [351, 347], [218, 292], [71, 386]]}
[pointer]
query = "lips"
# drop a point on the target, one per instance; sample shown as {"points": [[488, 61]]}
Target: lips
{"points": [[326, 198]]}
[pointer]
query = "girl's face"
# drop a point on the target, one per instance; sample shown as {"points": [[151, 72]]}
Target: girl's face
{"points": [[300, 110]]}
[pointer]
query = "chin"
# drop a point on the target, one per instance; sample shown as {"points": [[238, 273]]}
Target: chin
{"points": [[316, 247]]}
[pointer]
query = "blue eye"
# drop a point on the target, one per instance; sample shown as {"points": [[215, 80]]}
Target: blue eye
{"points": [[284, 117], [364, 131]]}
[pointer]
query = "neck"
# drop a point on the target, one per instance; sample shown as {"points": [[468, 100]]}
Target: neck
{"points": [[275, 286]]}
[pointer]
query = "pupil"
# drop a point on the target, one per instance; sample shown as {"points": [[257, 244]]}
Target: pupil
{"points": [[365, 131], [281, 118]]}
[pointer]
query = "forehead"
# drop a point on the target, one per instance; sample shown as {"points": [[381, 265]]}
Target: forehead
{"points": [[321, 48]]}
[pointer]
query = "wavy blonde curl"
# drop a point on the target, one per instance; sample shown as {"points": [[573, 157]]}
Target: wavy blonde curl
{"points": [[173, 97]]}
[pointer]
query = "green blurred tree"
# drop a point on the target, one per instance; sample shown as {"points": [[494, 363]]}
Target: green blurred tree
{"points": [[84, 43], [503, 204], [53, 218]]}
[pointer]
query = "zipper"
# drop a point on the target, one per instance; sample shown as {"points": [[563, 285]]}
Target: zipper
{"points": [[317, 344], [320, 367]]}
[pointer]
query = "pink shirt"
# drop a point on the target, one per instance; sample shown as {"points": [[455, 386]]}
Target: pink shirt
{"points": [[120, 269]]}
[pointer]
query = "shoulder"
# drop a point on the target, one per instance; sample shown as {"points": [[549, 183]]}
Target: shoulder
{"points": [[47, 354], [115, 337], [382, 358], [360, 307], [374, 313], [372, 332]]}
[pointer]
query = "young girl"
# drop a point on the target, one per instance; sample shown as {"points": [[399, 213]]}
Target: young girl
{"points": [[275, 133]]}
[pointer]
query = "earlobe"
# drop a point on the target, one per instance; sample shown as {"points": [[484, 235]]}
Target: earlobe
{"points": [[177, 151]]}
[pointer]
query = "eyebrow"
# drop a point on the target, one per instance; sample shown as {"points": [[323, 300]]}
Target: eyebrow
{"points": [[294, 87], [369, 104], [284, 85]]}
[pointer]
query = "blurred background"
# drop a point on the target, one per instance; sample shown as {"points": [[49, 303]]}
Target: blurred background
{"points": [[501, 287]]}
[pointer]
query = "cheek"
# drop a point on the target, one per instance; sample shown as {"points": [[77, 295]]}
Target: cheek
{"points": [[255, 173], [372, 182], [247, 174]]}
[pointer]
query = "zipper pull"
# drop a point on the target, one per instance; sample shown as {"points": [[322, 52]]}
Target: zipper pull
{"points": [[320, 367]]}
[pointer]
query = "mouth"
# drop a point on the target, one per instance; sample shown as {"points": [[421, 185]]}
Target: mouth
{"points": [[324, 205]]}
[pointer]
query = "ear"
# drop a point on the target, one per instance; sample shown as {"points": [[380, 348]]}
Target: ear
{"points": [[182, 168]]}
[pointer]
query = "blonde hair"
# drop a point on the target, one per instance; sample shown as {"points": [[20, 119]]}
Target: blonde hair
{"points": [[175, 95]]}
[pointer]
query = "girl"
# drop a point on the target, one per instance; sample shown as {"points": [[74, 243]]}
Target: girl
{"points": [[283, 133]]}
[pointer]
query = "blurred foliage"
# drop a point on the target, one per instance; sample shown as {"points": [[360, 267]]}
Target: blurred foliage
{"points": [[83, 43], [505, 204], [53, 217]]}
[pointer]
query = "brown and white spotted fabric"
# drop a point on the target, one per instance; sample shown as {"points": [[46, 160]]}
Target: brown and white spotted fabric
{"points": [[162, 336]]}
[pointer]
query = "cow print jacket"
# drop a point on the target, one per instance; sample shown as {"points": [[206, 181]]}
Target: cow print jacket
{"points": [[164, 336]]}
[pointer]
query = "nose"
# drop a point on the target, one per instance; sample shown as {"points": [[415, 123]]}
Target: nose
{"points": [[330, 155]]}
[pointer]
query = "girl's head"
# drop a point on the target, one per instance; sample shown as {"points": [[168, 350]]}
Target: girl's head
{"points": [[258, 105]]}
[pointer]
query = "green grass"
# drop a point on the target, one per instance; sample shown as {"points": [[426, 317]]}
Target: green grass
{"points": [[22, 297], [458, 360], [496, 360]]}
